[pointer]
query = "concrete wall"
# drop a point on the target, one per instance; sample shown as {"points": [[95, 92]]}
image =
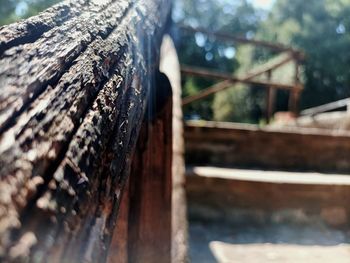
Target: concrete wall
{"points": [[248, 146]]}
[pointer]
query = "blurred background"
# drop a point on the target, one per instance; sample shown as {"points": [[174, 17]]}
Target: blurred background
{"points": [[317, 27], [14, 10]]}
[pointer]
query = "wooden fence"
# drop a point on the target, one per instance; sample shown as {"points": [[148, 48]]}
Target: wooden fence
{"points": [[287, 55]]}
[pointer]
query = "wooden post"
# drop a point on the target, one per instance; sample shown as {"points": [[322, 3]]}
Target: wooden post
{"points": [[169, 64], [294, 95], [149, 224], [118, 251], [73, 103], [270, 99]]}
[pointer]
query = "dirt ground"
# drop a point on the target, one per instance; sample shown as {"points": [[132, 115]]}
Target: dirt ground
{"points": [[223, 243]]}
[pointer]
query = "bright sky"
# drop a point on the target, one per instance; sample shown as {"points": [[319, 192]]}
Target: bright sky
{"points": [[265, 4]]}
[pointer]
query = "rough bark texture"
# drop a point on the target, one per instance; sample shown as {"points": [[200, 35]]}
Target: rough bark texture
{"points": [[156, 186], [75, 81], [138, 237]]}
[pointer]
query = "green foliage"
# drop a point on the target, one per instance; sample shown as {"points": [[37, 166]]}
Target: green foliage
{"points": [[320, 29], [232, 105], [13, 10], [237, 17]]}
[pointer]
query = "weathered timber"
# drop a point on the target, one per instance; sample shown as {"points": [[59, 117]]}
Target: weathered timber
{"points": [[249, 146], [118, 251], [225, 194], [344, 103], [25, 70], [156, 185], [74, 96], [150, 188], [31, 29]]}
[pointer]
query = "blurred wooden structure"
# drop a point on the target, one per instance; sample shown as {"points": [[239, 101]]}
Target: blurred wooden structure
{"points": [[85, 122], [245, 174], [271, 149], [287, 55], [332, 106]]}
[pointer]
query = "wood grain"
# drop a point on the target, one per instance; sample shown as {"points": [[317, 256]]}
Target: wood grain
{"points": [[75, 82]]}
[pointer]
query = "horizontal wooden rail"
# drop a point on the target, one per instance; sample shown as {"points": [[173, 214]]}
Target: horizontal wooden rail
{"points": [[228, 80], [327, 107], [226, 83], [200, 72], [243, 145]]}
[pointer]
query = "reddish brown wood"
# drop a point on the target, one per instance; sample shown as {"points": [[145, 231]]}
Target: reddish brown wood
{"points": [[150, 191], [270, 100], [261, 198], [118, 251], [270, 97], [250, 146], [294, 97]]}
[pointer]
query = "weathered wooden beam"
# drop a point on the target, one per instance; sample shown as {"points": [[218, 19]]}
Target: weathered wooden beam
{"points": [[31, 29], [25, 70], [221, 144], [327, 107], [148, 195], [270, 65], [118, 251], [73, 100]]}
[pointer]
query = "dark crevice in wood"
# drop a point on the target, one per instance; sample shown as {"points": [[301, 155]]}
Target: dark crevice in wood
{"points": [[34, 33], [76, 139], [30, 30], [56, 77], [62, 154]]}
